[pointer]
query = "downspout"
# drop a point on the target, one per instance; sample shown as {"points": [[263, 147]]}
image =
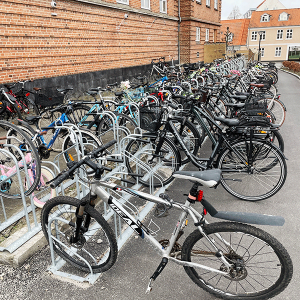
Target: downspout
{"points": [[179, 21]]}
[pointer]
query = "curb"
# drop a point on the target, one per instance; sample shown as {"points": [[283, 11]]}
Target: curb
{"points": [[290, 73], [18, 257]]}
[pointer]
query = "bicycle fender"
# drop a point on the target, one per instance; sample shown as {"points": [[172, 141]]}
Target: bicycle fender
{"points": [[250, 218]]}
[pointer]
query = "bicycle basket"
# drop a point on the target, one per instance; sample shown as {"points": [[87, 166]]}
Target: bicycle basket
{"points": [[45, 101], [149, 118], [256, 108]]}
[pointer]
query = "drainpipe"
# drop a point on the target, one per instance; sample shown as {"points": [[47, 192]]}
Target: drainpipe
{"points": [[179, 21]]}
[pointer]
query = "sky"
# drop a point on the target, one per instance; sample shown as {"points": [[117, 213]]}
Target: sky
{"points": [[227, 5]]}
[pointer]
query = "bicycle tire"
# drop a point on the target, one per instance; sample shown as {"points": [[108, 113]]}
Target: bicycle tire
{"points": [[77, 113], [105, 130], [17, 137], [164, 165], [48, 116], [96, 244], [43, 192], [278, 111], [261, 257], [252, 182], [90, 143], [275, 137], [190, 137]]}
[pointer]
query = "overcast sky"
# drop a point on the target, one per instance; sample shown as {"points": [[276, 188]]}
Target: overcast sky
{"points": [[243, 5]]}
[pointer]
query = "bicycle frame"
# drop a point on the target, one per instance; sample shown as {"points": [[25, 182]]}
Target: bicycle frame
{"points": [[62, 119], [97, 188]]}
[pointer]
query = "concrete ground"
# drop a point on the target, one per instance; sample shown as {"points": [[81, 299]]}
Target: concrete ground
{"points": [[129, 277]]}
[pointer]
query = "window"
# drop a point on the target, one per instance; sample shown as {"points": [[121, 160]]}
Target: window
{"points": [[254, 36], [289, 33], [278, 51], [198, 1], [279, 34], [262, 52], [263, 35], [145, 4], [283, 17], [123, 1], [163, 6], [265, 18], [216, 4], [197, 34], [207, 35], [207, 2]]}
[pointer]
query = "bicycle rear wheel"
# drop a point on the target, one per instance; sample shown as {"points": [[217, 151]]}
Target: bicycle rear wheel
{"points": [[253, 180], [18, 141], [97, 243], [261, 266]]}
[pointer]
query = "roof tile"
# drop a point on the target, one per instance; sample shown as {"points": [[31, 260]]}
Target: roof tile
{"points": [[294, 18]]}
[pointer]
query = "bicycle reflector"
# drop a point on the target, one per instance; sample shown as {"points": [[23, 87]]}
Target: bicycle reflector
{"points": [[200, 196]]}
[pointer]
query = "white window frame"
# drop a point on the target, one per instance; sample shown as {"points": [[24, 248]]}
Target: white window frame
{"points": [[208, 3], [216, 4], [263, 36], [198, 1], [123, 2], [265, 18], [289, 34], [277, 51], [254, 36], [279, 35], [163, 6], [207, 35], [145, 4], [197, 34], [262, 52]]}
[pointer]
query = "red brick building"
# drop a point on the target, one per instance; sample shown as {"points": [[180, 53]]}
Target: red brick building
{"points": [[92, 42]]}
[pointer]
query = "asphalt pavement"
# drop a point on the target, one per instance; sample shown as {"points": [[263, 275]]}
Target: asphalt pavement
{"points": [[129, 277]]}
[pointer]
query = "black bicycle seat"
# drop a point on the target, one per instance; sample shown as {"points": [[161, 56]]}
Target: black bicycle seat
{"points": [[208, 178]]}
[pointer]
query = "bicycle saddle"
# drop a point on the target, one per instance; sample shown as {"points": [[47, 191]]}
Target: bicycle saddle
{"points": [[207, 178], [228, 122], [32, 119]]}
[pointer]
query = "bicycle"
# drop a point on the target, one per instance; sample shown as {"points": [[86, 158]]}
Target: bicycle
{"points": [[17, 142], [252, 168], [230, 260]]}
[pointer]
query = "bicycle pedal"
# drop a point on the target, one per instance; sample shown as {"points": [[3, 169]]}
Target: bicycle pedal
{"points": [[149, 288]]}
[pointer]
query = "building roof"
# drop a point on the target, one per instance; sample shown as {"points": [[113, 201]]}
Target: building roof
{"points": [[294, 18], [270, 5], [239, 27]]}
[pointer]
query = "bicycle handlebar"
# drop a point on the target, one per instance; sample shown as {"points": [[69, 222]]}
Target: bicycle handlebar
{"points": [[86, 160]]}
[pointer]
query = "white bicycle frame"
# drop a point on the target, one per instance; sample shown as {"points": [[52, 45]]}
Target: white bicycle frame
{"points": [[97, 188]]}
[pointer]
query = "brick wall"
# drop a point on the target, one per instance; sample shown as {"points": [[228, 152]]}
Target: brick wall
{"points": [[80, 38], [198, 15], [92, 37]]}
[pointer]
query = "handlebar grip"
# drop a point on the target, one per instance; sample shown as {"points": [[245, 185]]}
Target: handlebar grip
{"points": [[103, 147], [59, 180]]}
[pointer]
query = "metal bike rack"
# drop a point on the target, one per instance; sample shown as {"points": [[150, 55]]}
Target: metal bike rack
{"points": [[118, 172], [31, 230]]}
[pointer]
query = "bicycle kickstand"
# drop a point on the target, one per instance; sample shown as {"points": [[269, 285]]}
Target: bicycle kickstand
{"points": [[159, 269]]}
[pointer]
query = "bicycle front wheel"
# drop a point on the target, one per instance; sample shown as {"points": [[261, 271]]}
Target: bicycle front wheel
{"points": [[156, 169], [97, 244], [255, 174], [73, 151], [260, 266]]}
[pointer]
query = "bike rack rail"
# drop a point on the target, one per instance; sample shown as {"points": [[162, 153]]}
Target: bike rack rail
{"points": [[118, 172], [32, 229]]}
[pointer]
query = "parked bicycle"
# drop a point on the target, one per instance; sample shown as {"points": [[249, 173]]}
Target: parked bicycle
{"points": [[230, 260]]}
